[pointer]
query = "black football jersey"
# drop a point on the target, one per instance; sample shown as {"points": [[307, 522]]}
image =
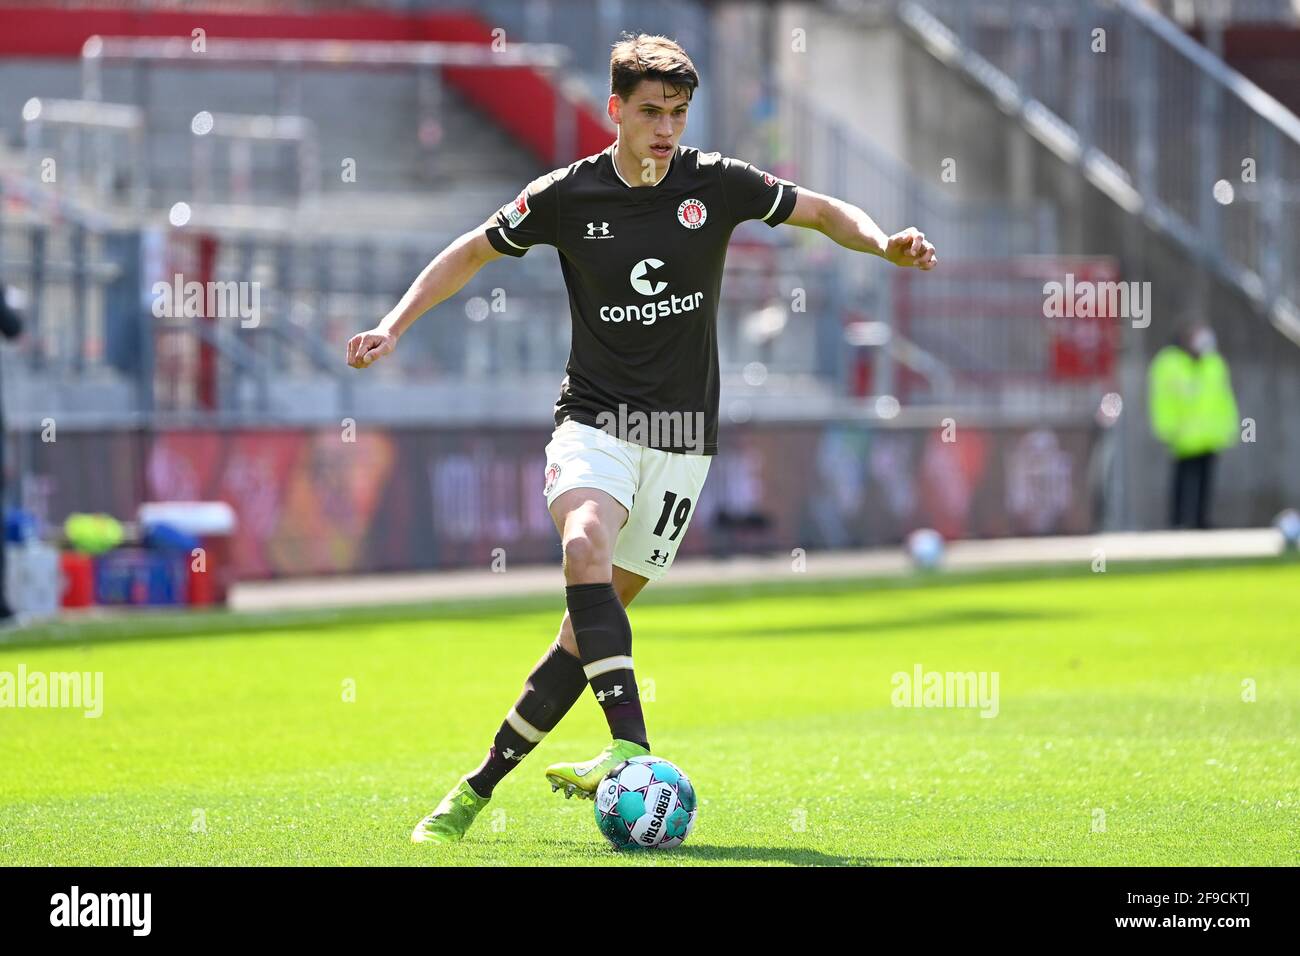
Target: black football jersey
{"points": [[643, 266]]}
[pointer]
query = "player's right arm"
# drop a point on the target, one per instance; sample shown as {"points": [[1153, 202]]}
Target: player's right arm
{"points": [[441, 279], [512, 230]]}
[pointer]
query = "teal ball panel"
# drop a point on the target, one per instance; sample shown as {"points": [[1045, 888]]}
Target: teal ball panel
{"points": [[631, 807]]}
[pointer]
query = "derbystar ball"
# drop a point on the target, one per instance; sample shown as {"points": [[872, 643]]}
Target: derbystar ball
{"points": [[645, 803]]}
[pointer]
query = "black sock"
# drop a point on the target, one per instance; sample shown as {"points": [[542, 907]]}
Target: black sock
{"points": [[604, 638], [551, 689]]}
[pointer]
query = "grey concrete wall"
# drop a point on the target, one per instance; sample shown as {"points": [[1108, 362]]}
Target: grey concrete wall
{"points": [[853, 69]]}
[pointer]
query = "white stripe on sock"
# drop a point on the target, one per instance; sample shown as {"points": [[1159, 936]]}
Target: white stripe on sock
{"points": [[596, 668], [523, 728]]}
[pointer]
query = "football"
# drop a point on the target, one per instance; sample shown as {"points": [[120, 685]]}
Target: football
{"points": [[925, 548], [1288, 525], [645, 803]]}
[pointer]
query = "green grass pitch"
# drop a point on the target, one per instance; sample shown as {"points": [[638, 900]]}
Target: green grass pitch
{"points": [[1122, 735]]}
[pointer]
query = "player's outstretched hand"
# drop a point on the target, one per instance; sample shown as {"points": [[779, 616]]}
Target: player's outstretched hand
{"points": [[911, 248], [365, 347]]}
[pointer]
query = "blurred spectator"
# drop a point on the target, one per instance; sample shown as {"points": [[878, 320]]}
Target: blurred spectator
{"points": [[1194, 414], [11, 327]]}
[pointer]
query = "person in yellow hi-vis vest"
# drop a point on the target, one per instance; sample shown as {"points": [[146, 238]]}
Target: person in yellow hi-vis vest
{"points": [[1194, 414]]}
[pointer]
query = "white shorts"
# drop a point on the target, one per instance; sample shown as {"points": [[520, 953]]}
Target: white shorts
{"points": [[659, 489]]}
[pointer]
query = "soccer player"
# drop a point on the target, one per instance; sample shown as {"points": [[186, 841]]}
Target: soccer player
{"points": [[641, 229]]}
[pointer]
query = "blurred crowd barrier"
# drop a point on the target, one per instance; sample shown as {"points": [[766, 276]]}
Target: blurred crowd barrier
{"points": [[421, 498]]}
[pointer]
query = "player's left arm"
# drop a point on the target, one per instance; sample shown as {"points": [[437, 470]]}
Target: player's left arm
{"points": [[852, 228]]}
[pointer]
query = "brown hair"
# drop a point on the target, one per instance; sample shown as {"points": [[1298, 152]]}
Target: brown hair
{"points": [[645, 57]]}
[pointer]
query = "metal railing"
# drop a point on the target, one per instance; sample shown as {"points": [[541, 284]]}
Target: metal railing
{"points": [[820, 151], [824, 153], [288, 60], [1202, 12], [1151, 118], [103, 143], [68, 265], [105, 146], [512, 320], [985, 321], [227, 141]]}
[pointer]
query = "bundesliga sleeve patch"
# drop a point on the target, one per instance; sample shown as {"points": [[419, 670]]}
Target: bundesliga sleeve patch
{"points": [[519, 211]]}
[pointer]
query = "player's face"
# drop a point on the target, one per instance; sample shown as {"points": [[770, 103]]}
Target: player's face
{"points": [[651, 121]]}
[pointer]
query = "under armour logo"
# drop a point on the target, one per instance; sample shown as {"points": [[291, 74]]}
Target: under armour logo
{"points": [[616, 692], [593, 229], [510, 754], [659, 557]]}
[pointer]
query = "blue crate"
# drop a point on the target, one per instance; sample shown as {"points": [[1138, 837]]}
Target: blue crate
{"points": [[136, 576]]}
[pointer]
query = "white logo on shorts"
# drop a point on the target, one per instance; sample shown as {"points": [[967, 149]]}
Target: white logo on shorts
{"points": [[552, 475]]}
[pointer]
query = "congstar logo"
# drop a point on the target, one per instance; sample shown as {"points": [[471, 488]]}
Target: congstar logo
{"points": [[645, 279], [643, 269]]}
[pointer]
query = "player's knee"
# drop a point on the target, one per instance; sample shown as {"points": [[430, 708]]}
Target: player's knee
{"points": [[587, 550]]}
